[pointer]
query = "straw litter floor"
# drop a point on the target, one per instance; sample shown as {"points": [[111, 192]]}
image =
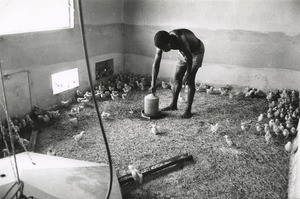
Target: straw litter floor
{"points": [[251, 169]]}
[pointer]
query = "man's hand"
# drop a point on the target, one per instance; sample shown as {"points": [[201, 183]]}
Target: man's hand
{"points": [[152, 89]]}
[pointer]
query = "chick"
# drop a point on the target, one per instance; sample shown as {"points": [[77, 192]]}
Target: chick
{"points": [[214, 128], [228, 140], [78, 94], [259, 128], [288, 146], [155, 129], [29, 120], [268, 136], [245, 126], [285, 133], [53, 114], [224, 91], [114, 96], [271, 123], [88, 95], [210, 90], [105, 115], [23, 123], [270, 96], [270, 114], [276, 129], [73, 121], [165, 85], [40, 118], [181, 98], [260, 117], [136, 174], [74, 111], [79, 136], [46, 119], [288, 124], [66, 103], [51, 152], [293, 131]]}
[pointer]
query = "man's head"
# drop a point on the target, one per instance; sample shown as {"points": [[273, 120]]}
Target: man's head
{"points": [[162, 40]]}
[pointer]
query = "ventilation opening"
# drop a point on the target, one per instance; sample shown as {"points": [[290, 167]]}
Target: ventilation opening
{"points": [[104, 69]]}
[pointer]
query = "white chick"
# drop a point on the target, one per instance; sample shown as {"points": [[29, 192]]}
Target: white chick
{"points": [[105, 114], [210, 90], [260, 117], [214, 128], [29, 120], [124, 96], [288, 124], [23, 121], [65, 103], [259, 128], [165, 85], [293, 131], [50, 151], [136, 174], [155, 129], [40, 118], [276, 129], [245, 126], [271, 123], [114, 96], [181, 99], [78, 136], [88, 95], [73, 120], [268, 136], [285, 133], [288, 146], [46, 119], [228, 140]]}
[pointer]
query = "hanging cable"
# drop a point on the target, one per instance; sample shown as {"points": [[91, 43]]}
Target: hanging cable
{"points": [[81, 23], [8, 123]]}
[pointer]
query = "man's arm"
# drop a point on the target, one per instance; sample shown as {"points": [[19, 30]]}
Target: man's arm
{"points": [[155, 69]]}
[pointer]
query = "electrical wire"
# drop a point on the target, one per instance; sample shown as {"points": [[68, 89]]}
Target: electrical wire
{"points": [[81, 22]]}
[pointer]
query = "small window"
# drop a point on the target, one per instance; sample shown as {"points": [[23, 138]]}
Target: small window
{"points": [[65, 80], [21, 16]]}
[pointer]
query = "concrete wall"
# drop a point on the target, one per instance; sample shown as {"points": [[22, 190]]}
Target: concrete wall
{"points": [[248, 43], [45, 53]]}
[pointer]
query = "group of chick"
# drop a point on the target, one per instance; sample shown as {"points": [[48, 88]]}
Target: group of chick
{"points": [[279, 122], [281, 118], [12, 129], [116, 87]]}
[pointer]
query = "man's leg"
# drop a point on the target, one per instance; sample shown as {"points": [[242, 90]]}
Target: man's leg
{"points": [[180, 71], [192, 85]]}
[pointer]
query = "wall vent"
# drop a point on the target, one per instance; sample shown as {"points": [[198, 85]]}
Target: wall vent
{"points": [[104, 69]]}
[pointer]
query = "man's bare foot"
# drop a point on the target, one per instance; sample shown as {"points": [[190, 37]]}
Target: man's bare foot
{"points": [[187, 115], [170, 108]]}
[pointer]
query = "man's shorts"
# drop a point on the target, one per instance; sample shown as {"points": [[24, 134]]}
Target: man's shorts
{"points": [[197, 58]]}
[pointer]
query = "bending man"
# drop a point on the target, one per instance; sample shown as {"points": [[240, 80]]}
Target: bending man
{"points": [[190, 57]]}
